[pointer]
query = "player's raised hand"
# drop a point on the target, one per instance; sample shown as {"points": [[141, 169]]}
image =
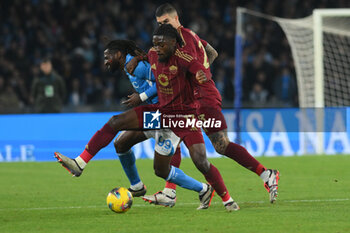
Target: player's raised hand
{"points": [[133, 100], [201, 77]]}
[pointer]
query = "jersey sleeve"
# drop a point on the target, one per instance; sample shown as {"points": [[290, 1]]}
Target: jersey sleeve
{"points": [[152, 91], [188, 62], [141, 70], [195, 66]]}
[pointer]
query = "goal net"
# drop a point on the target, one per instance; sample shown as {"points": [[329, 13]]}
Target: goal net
{"points": [[320, 46]]}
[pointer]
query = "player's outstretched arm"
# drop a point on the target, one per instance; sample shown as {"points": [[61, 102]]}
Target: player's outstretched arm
{"points": [[131, 66], [211, 53]]}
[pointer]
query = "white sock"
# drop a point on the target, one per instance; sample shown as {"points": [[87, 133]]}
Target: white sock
{"points": [[228, 201], [80, 162], [137, 186], [265, 175], [204, 189], [169, 192]]}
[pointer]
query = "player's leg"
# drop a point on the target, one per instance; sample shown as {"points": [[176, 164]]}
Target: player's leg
{"points": [[234, 151], [123, 144], [175, 175], [219, 139], [166, 197], [165, 146], [239, 154], [195, 143], [170, 188], [212, 175], [223, 146], [123, 121]]}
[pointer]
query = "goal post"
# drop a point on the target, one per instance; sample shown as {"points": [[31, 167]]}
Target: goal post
{"points": [[320, 47], [319, 28], [238, 73]]}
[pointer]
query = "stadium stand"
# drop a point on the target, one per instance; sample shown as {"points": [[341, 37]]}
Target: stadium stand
{"points": [[73, 34]]}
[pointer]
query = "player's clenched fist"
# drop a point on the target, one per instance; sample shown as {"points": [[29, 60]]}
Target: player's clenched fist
{"points": [[201, 77]]}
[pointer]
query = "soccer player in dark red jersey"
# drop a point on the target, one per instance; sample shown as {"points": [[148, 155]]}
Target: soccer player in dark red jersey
{"points": [[165, 71], [176, 97], [209, 100]]}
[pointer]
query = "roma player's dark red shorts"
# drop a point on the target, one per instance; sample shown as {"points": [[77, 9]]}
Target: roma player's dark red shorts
{"points": [[215, 114]]}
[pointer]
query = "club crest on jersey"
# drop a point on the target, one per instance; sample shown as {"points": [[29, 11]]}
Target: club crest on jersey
{"points": [[163, 80], [173, 69]]}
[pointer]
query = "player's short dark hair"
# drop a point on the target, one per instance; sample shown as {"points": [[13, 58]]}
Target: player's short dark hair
{"points": [[124, 46], [168, 31], [165, 8]]}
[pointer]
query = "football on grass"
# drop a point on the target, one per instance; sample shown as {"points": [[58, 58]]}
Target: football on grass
{"points": [[119, 200]]}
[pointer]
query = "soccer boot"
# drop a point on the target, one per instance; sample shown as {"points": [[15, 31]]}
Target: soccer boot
{"points": [[232, 206], [271, 184], [160, 198], [206, 198], [70, 164], [138, 193]]}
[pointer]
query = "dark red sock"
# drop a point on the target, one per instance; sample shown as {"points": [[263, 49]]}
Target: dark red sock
{"points": [[100, 140], [175, 161], [214, 179], [239, 154]]}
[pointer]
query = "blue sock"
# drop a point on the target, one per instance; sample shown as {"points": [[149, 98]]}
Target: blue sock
{"points": [[177, 176], [128, 162]]}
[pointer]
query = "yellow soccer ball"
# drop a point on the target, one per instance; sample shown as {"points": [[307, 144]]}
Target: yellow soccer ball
{"points": [[119, 200]]}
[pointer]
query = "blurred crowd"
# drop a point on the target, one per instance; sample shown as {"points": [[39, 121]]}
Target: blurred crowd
{"points": [[71, 34]]}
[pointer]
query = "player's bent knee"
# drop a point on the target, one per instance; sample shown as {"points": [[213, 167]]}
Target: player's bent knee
{"points": [[114, 122], [121, 144], [121, 147], [220, 146]]}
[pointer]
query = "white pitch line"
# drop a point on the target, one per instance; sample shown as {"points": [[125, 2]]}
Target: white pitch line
{"points": [[177, 204]]}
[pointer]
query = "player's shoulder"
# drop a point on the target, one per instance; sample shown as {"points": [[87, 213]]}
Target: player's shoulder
{"points": [[152, 49], [188, 36], [140, 69], [152, 58], [128, 58], [186, 31], [152, 52]]}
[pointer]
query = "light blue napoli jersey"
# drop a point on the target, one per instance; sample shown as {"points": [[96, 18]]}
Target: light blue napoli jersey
{"points": [[143, 80]]}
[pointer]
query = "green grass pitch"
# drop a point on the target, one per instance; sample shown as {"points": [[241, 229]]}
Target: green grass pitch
{"points": [[314, 196]]}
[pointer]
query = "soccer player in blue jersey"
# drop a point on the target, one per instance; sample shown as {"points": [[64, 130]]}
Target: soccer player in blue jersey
{"points": [[142, 78], [117, 55]]}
